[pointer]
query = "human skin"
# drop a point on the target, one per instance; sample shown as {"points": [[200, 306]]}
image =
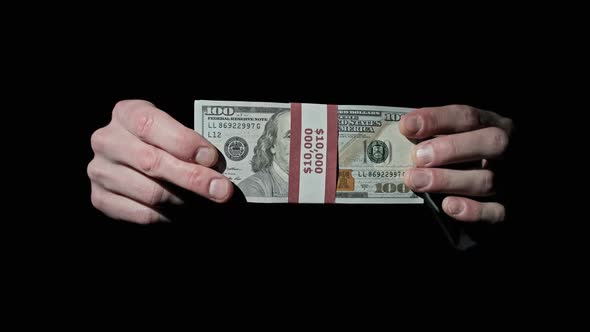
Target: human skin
{"points": [[141, 151], [469, 134]]}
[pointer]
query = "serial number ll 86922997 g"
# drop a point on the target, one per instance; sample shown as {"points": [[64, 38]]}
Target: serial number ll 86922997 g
{"points": [[236, 125], [380, 174]]}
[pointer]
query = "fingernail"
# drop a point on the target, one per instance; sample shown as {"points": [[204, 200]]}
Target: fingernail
{"points": [[205, 156], [454, 206], [218, 188], [424, 154], [420, 179], [413, 124]]}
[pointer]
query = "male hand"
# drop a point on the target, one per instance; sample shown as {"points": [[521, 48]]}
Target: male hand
{"points": [[139, 154], [470, 134]]}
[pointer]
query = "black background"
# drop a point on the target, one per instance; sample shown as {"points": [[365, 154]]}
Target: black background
{"points": [[73, 64], [349, 66]]}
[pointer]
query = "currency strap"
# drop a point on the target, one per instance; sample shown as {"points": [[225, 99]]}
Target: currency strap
{"points": [[313, 156]]}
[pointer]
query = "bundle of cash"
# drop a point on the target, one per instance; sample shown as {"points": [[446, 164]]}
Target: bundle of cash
{"points": [[310, 153]]}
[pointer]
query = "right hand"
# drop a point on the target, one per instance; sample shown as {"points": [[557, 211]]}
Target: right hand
{"points": [[138, 153]]}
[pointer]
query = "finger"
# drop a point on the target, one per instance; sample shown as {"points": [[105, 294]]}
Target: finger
{"points": [[127, 182], [159, 164], [487, 143], [120, 207], [431, 121], [441, 180], [157, 128], [465, 209]]}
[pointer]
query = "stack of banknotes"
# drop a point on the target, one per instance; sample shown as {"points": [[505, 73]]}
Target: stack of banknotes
{"points": [[310, 153]]}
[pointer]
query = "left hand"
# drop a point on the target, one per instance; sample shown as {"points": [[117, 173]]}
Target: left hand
{"points": [[470, 135]]}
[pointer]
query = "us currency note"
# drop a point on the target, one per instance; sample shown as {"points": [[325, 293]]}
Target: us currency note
{"points": [[255, 140]]}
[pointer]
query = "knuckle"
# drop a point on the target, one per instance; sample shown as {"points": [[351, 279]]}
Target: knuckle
{"points": [[121, 107], [94, 171], [97, 199], [487, 182], [185, 144], [470, 116], [137, 114], [98, 140], [195, 178], [156, 195], [145, 216], [431, 122], [449, 149], [492, 212], [440, 180], [467, 115], [150, 160], [142, 121], [499, 140], [118, 108], [127, 104], [478, 212]]}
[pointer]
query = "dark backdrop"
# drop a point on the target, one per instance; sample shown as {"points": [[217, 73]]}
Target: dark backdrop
{"points": [[241, 67]]}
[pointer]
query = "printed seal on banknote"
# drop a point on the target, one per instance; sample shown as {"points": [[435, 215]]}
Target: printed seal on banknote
{"points": [[236, 148]]}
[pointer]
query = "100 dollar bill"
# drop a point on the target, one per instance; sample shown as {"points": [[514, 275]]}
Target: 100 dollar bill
{"points": [[255, 139]]}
